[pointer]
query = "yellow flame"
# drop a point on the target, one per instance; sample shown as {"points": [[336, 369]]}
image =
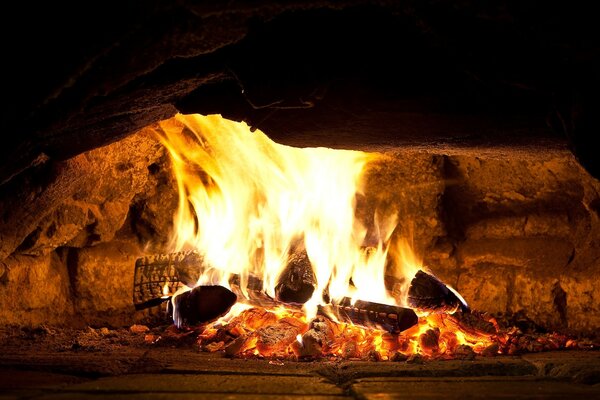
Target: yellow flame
{"points": [[166, 290], [244, 201]]}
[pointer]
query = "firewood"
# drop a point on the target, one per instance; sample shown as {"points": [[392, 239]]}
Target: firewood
{"points": [[428, 293], [388, 318], [237, 346], [297, 281], [202, 304], [152, 273], [175, 270], [398, 357], [254, 293]]}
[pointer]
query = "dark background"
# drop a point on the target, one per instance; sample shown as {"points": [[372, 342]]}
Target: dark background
{"points": [[81, 75]]}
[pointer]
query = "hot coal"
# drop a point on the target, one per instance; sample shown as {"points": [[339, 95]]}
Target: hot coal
{"points": [[317, 340], [372, 315], [428, 293], [202, 304]]}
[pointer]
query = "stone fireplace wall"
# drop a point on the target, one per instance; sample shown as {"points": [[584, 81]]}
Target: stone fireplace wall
{"points": [[69, 239], [452, 91], [514, 229]]}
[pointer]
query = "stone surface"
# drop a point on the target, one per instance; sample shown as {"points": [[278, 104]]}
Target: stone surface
{"points": [[487, 286], [187, 396], [405, 186], [478, 388], [212, 383], [11, 379], [35, 290], [526, 244], [531, 288], [579, 367], [89, 199], [503, 366], [153, 209], [103, 282], [543, 255], [132, 65], [74, 374], [521, 244], [151, 60], [86, 201], [583, 300]]}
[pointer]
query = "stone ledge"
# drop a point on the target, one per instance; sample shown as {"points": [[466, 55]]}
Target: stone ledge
{"points": [[460, 388]]}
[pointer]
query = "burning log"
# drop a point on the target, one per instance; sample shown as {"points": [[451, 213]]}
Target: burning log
{"points": [[297, 282], [155, 275], [202, 304], [372, 315], [428, 293], [254, 293]]}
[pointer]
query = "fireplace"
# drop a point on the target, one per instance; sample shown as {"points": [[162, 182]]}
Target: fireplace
{"points": [[454, 147]]}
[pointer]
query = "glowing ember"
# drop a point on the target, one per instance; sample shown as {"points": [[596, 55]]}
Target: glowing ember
{"points": [[286, 334]]}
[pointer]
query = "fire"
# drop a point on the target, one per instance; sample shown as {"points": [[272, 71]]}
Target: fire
{"points": [[246, 202], [252, 211], [287, 334]]}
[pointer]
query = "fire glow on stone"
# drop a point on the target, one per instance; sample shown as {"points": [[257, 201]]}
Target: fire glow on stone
{"points": [[245, 202]]}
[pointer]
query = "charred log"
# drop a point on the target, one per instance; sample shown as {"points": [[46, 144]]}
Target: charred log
{"points": [[372, 315], [473, 323], [428, 293], [297, 282], [175, 270], [202, 304]]}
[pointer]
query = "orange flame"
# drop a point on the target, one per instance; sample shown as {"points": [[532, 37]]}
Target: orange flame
{"points": [[245, 200]]}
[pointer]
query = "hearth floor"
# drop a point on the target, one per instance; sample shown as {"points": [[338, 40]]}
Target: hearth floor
{"points": [[183, 373]]}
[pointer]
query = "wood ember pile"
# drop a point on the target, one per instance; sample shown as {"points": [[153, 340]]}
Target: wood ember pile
{"points": [[278, 328]]}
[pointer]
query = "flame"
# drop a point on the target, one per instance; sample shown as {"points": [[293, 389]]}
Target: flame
{"points": [[245, 202], [166, 291]]}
